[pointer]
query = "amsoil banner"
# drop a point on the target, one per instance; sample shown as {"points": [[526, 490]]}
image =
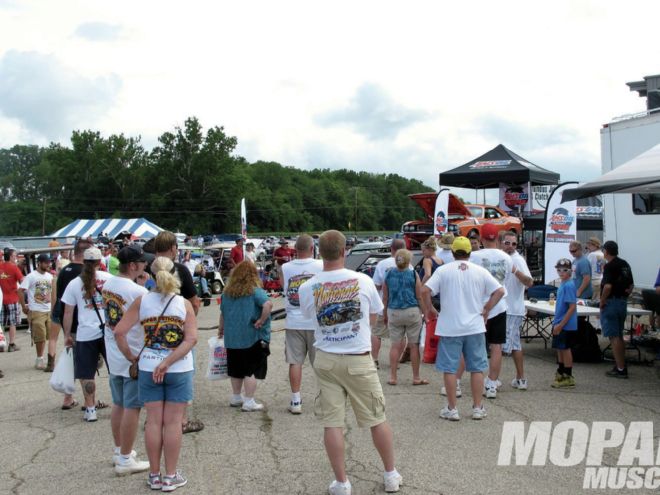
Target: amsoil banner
{"points": [[560, 230], [514, 197], [441, 217]]}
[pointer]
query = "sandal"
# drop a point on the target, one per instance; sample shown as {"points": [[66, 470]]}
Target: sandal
{"points": [[421, 381], [66, 407], [192, 425]]}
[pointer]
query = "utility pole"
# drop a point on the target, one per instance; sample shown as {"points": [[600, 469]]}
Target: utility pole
{"points": [[43, 218]]}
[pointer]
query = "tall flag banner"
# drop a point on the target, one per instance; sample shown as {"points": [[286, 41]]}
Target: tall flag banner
{"points": [[560, 230], [441, 216], [243, 224]]}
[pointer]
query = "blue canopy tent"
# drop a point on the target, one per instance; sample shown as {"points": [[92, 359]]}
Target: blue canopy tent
{"points": [[140, 227]]}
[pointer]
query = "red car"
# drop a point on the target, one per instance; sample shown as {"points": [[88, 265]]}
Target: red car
{"points": [[463, 219]]}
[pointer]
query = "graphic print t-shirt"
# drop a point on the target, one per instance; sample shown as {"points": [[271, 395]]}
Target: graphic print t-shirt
{"points": [[88, 320], [515, 290], [10, 277], [118, 295], [498, 263], [341, 302], [38, 287], [296, 273], [162, 337]]}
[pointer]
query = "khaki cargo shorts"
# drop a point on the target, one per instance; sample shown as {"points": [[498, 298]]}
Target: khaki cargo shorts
{"points": [[39, 322], [352, 377], [298, 344]]}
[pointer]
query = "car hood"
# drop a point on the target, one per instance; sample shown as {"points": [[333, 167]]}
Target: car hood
{"points": [[427, 202]]}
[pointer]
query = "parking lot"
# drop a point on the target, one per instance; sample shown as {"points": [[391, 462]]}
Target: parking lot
{"points": [[47, 450]]}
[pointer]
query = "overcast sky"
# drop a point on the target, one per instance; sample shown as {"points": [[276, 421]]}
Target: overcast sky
{"points": [[413, 88]]}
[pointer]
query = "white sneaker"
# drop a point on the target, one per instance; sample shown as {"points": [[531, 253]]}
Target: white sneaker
{"points": [[459, 392], [479, 412], [236, 402], [295, 407], [90, 415], [131, 466], [117, 457], [392, 482], [450, 414], [40, 364], [519, 383], [490, 393], [337, 488], [252, 406]]}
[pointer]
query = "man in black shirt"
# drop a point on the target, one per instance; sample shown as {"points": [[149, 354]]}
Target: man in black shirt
{"points": [[165, 244], [617, 284], [66, 275]]}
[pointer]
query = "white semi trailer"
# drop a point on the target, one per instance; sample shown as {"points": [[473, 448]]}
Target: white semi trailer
{"points": [[632, 220]]}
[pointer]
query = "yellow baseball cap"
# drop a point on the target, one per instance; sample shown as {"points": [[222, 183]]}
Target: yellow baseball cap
{"points": [[461, 244]]}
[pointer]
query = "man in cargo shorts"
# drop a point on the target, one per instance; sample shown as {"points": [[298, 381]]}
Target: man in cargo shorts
{"points": [[343, 305]]}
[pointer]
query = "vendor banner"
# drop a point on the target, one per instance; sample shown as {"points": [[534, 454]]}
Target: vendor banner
{"points": [[560, 230], [515, 197], [243, 224], [441, 217]]}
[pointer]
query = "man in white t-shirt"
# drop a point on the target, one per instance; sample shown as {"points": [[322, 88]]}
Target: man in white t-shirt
{"points": [[344, 305], [118, 294], [498, 263], [515, 283], [379, 330], [299, 329], [38, 285], [463, 287]]}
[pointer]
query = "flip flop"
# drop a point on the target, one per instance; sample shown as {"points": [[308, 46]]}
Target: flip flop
{"points": [[421, 382], [191, 426], [391, 382], [73, 404], [99, 405]]}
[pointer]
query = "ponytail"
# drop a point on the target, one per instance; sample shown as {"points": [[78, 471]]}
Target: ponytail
{"points": [[167, 280], [88, 277]]}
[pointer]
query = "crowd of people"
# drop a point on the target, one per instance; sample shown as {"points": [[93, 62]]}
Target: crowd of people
{"points": [[141, 322]]}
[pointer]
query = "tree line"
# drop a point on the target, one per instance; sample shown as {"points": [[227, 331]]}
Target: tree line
{"points": [[192, 181]]}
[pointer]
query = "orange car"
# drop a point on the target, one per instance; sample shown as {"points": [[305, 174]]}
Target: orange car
{"points": [[463, 219]]}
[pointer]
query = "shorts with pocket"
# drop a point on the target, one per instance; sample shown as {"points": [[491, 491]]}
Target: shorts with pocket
{"points": [[380, 329], [613, 317], [11, 315], [513, 324], [496, 329], [472, 347], [342, 376], [124, 392], [298, 344], [404, 323], [175, 387], [39, 321], [86, 358]]}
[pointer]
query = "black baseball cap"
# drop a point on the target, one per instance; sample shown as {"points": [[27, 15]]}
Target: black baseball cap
{"points": [[132, 254], [43, 257]]}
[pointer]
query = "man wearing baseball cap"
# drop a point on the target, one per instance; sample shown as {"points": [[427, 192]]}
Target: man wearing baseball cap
{"points": [[468, 294], [38, 285], [499, 264]]}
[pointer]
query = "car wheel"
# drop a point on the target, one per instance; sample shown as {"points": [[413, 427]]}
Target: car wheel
{"points": [[216, 287]]}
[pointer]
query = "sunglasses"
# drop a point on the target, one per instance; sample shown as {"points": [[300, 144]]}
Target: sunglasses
{"points": [[510, 243], [563, 270]]}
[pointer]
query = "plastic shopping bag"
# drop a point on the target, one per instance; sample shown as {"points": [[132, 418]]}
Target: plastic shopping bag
{"points": [[217, 369], [3, 340], [62, 378]]}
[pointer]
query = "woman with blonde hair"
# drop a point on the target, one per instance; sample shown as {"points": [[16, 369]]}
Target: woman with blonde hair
{"points": [[245, 325], [402, 298], [165, 377], [431, 261]]}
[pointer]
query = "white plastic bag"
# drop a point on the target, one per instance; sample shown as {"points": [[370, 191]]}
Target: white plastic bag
{"points": [[62, 378], [217, 369], [3, 341]]}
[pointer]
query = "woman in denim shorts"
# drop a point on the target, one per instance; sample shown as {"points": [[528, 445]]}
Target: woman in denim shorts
{"points": [[165, 380]]}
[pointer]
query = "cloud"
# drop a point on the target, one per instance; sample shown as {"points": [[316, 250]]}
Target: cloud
{"points": [[50, 99], [373, 113], [523, 136], [98, 31]]}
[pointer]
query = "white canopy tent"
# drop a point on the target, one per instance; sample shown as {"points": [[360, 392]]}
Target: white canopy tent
{"points": [[640, 175]]}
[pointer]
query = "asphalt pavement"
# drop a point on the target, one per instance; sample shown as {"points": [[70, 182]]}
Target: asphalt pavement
{"points": [[45, 450]]}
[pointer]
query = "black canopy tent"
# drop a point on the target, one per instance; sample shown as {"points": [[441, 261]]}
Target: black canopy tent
{"points": [[497, 165]]}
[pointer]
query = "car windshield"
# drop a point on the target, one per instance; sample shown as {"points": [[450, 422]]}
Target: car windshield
{"points": [[475, 210]]}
